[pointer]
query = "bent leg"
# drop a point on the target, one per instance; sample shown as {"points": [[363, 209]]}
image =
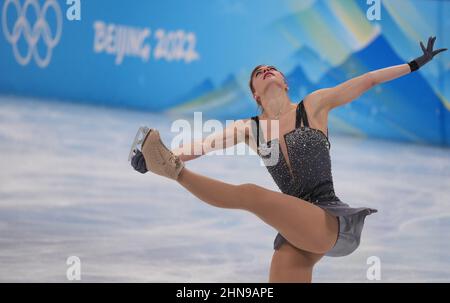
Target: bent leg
{"points": [[290, 264], [305, 225]]}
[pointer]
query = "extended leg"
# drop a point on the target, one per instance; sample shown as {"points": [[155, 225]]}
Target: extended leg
{"points": [[305, 225]]}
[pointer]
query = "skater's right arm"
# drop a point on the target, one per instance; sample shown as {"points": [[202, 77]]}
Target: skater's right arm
{"points": [[233, 134]]}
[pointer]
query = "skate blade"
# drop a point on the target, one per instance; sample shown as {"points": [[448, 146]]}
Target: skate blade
{"points": [[138, 139]]}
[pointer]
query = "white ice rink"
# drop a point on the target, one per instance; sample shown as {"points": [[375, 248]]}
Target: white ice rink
{"points": [[66, 189]]}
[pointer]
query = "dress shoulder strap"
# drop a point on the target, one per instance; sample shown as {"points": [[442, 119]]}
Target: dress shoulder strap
{"points": [[301, 116], [255, 120]]}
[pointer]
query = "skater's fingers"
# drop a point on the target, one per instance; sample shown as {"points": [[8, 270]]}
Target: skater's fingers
{"points": [[439, 51], [432, 43], [134, 160], [140, 159], [430, 40], [143, 170], [141, 164], [423, 47], [138, 153]]}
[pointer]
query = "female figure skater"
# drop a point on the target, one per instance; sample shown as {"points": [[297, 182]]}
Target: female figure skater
{"points": [[311, 220]]}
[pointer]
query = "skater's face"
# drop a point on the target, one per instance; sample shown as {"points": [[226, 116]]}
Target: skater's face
{"points": [[263, 76]]}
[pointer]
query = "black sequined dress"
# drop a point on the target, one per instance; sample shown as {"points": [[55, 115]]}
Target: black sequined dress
{"points": [[311, 179]]}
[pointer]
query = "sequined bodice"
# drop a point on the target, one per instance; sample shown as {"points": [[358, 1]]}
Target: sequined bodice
{"points": [[308, 150]]}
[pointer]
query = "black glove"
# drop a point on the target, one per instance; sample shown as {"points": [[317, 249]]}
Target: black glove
{"points": [[428, 54], [138, 162]]}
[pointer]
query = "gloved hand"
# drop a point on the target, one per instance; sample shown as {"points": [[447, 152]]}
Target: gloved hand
{"points": [[428, 54], [138, 162]]}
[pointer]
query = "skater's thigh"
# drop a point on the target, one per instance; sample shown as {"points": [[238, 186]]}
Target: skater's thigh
{"points": [[303, 224], [291, 264], [294, 255]]}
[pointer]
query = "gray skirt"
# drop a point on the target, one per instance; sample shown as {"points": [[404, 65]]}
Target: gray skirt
{"points": [[351, 223]]}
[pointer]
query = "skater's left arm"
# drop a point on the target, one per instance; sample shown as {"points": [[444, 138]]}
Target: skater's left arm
{"points": [[352, 89], [329, 98]]}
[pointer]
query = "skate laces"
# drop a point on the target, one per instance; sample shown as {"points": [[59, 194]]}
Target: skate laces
{"points": [[173, 158]]}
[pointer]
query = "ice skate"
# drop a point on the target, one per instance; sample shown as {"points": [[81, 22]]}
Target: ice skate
{"points": [[138, 139], [158, 158]]}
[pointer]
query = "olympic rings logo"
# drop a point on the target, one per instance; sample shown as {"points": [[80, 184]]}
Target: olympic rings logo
{"points": [[32, 34]]}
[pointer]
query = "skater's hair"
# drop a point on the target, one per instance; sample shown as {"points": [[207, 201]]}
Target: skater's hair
{"points": [[250, 83]]}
